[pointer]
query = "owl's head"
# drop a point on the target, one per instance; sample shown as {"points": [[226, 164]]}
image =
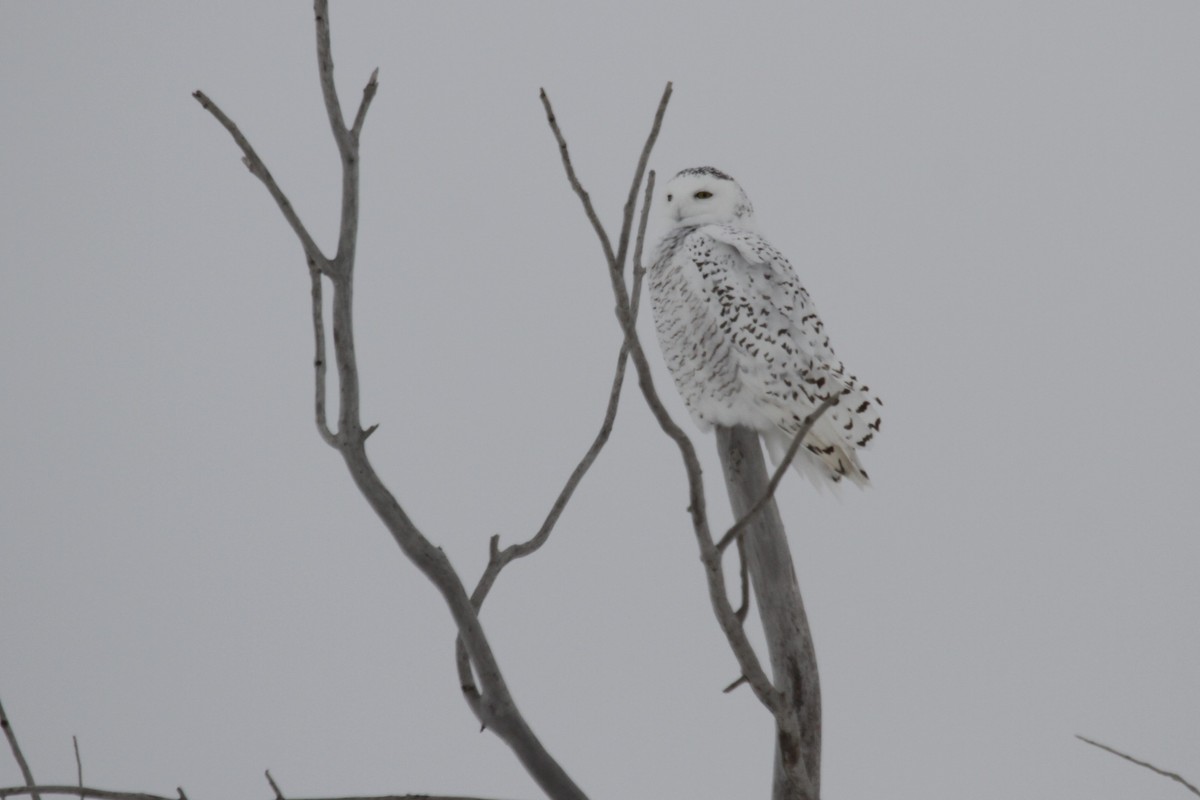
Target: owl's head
{"points": [[705, 195]]}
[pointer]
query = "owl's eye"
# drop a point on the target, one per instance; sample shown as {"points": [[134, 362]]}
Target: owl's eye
{"points": [[703, 194]]}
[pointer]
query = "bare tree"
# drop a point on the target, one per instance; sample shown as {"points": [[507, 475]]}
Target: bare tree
{"points": [[792, 697], [791, 694]]}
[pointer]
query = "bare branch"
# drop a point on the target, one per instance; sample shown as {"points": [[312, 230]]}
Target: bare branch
{"points": [[809, 421], [85, 791], [318, 315], [741, 679], [259, 170], [368, 95], [1173, 776], [500, 558], [616, 260], [597, 226], [333, 108], [627, 224], [639, 271], [22, 764], [347, 139]]}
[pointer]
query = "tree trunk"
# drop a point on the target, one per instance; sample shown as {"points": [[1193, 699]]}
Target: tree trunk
{"points": [[777, 596]]}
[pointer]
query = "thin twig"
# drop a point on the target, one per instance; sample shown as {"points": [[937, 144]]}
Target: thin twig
{"points": [[498, 559], [333, 108], [597, 226], [809, 421], [741, 679], [639, 271], [22, 764], [274, 786], [346, 138], [319, 363], [630, 202], [368, 95], [259, 169], [1173, 776], [78, 765]]}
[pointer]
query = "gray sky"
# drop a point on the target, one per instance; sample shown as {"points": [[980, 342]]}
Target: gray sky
{"points": [[995, 206]]}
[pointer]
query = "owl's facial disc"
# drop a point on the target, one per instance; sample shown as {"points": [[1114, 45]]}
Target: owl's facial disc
{"points": [[703, 195]]}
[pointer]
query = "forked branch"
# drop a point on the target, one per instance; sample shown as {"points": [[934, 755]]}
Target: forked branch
{"points": [[711, 557], [492, 702]]}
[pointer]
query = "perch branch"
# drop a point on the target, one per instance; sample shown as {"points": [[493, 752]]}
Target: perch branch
{"points": [[22, 764], [1173, 776], [809, 421]]}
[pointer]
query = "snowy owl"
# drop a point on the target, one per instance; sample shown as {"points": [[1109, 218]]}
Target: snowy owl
{"points": [[741, 337]]}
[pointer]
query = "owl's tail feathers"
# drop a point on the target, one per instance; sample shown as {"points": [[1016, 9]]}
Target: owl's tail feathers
{"points": [[823, 458]]}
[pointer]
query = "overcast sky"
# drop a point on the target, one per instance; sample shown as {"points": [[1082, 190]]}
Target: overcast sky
{"points": [[995, 205]]}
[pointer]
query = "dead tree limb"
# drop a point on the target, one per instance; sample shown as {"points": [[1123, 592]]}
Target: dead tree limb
{"points": [[85, 791], [492, 703], [781, 610]]}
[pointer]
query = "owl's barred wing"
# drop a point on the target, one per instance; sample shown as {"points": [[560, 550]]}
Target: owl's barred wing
{"points": [[780, 312]]}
